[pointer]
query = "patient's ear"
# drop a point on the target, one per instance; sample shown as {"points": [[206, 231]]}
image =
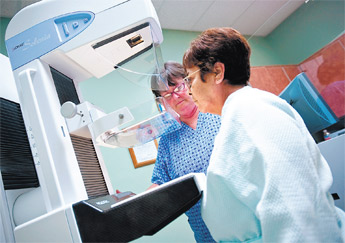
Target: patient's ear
{"points": [[219, 70]]}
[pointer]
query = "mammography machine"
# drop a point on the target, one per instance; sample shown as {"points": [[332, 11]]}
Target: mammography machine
{"points": [[54, 185]]}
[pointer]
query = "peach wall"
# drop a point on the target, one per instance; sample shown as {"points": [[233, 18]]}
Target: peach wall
{"points": [[273, 78], [325, 69]]}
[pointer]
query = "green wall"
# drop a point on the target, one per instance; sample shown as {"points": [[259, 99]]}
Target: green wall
{"points": [[306, 31], [3, 24], [175, 43]]}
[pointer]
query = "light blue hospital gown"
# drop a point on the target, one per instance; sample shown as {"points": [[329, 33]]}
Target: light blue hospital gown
{"points": [[267, 181], [183, 152]]}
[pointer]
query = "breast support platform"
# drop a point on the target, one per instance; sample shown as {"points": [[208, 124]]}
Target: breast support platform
{"points": [[119, 217], [138, 215]]}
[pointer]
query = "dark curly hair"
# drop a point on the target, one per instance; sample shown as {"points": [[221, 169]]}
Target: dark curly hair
{"points": [[225, 45]]}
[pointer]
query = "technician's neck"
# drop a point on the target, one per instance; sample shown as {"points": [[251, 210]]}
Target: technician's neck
{"points": [[192, 120]]}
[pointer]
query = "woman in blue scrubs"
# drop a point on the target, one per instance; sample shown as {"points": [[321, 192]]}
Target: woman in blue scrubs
{"points": [[188, 149]]}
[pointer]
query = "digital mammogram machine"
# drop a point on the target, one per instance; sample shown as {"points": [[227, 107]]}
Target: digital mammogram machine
{"points": [[54, 185]]}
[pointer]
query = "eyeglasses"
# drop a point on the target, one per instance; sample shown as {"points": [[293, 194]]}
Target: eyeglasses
{"points": [[177, 90], [188, 79]]}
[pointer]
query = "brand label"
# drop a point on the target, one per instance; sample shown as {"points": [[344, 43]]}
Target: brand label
{"points": [[102, 202]]}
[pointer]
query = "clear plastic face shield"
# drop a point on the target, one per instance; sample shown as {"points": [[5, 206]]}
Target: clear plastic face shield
{"points": [[148, 119], [146, 70]]}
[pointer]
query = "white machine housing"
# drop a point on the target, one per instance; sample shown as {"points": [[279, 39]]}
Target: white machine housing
{"points": [[64, 35]]}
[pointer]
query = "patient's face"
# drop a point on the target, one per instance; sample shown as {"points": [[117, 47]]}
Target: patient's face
{"points": [[178, 98]]}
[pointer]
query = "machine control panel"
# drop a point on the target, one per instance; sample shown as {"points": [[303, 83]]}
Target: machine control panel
{"points": [[32, 142], [46, 36], [71, 24]]}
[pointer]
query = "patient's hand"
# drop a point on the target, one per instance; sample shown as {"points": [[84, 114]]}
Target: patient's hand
{"points": [[152, 186]]}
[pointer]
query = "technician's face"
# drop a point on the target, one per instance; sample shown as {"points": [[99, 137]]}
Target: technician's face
{"points": [[179, 100], [202, 92]]}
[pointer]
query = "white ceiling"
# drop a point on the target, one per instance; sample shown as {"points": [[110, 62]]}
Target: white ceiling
{"points": [[250, 17]]}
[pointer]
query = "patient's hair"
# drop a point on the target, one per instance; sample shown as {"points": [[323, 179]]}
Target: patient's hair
{"points": [[173, 70]]}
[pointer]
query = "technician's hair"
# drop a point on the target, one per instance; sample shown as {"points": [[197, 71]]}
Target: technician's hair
{"points": [[225, 45], [174, 71]]}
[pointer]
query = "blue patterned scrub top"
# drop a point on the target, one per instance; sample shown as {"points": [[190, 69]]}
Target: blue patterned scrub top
{"points": [[186, 151]]}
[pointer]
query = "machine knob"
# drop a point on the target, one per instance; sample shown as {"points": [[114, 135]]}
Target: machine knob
{"points": [[69, 110]]}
